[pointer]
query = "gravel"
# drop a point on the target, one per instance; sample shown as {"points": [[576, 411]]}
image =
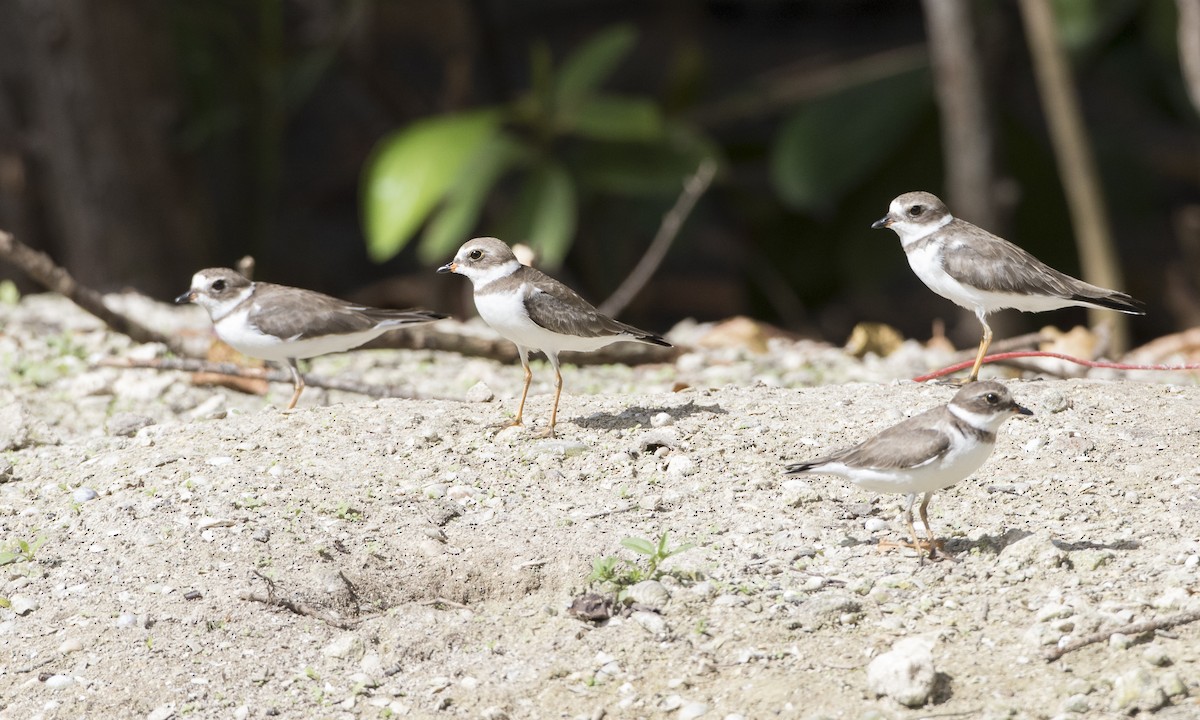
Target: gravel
{"points": [[400, 557]]}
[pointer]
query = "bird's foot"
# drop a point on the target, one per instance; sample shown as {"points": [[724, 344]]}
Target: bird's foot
{"points": [[547, 433], [936, 549]]}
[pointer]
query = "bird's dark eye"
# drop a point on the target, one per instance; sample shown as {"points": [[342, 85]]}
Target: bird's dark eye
{"points": [[916, 210], [475, 254], [218, 285], [991, 398]]}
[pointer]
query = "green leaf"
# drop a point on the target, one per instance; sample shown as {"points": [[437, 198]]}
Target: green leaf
{"points": [[590, 65], [411, 170], [610, 117], [831, 145], [453, 222], [641, 546], [545, 214]]}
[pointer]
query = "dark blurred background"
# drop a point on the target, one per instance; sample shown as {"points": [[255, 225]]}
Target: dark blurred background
{"points": [[141, 140]]}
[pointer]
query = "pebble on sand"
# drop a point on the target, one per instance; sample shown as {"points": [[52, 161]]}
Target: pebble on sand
{"points": [[905, 673]]}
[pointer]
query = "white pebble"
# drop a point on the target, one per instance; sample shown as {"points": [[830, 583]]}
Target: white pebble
{"points": [[70, 645], [22, 605], [661, 419], [345, 646], [905, 673], [84, 494], [875, 524], [480, 393], [58, 682], [681, 466], [692, 710], [651, 622], [162, 712]]}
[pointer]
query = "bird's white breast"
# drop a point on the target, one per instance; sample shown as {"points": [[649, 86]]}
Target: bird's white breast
{"points": [[505, 312], [926, 263], [243, 336]]}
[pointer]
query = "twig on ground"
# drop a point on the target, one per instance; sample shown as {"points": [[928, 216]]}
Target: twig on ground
{"points": [[298, 607], [605, 513], [436, 602], [1001, 357], [38, 266], [1136, 628], [693, 187], [270, 375]]}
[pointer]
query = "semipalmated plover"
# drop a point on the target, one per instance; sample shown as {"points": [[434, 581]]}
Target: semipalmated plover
{"points": [[285, 324], [535, 311], [926, 452], [982, 272]]}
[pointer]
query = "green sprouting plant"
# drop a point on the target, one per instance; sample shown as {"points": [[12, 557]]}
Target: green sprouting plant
{"points": [[621, 573], [20, 550]]}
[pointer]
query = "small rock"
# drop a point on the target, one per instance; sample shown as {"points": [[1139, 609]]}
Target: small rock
{"points": [[1091, 559], [652, 440], [1156, 655], [875, 524], [1054, 611], [567, 448], [651, 622], [1035, 550], [649, 593], [261, 534], [691, 710], [15, 427], [905, 673], [680, 466], [799, 492], [1076, 704], [661, 419], [84, 494], [480, 393], [209, 523], [6, 470], [1119, 641], [494, 712], [1137, 691], [58, 682], [162, 712], [211, 409], [127, 424], [1173, 685], [345, 646], [70, 645], [127, 620], [22, 605]]}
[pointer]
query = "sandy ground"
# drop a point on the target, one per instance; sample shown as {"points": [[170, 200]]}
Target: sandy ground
{"points": [[416, 563]]}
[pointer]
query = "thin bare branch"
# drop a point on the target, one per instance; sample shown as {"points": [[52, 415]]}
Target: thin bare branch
{"points": [[1136, 628], [693, 187], [55, 278], [194, 365], [1189, 47], [968, 144], [1076, 164]]}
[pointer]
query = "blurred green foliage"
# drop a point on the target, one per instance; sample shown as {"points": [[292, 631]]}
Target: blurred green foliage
{"points": [[561, 137]]}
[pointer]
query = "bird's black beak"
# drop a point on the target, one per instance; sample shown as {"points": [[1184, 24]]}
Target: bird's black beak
{"points": [[187, 297], [1021, 410], [883, 222], [448, 268]]}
